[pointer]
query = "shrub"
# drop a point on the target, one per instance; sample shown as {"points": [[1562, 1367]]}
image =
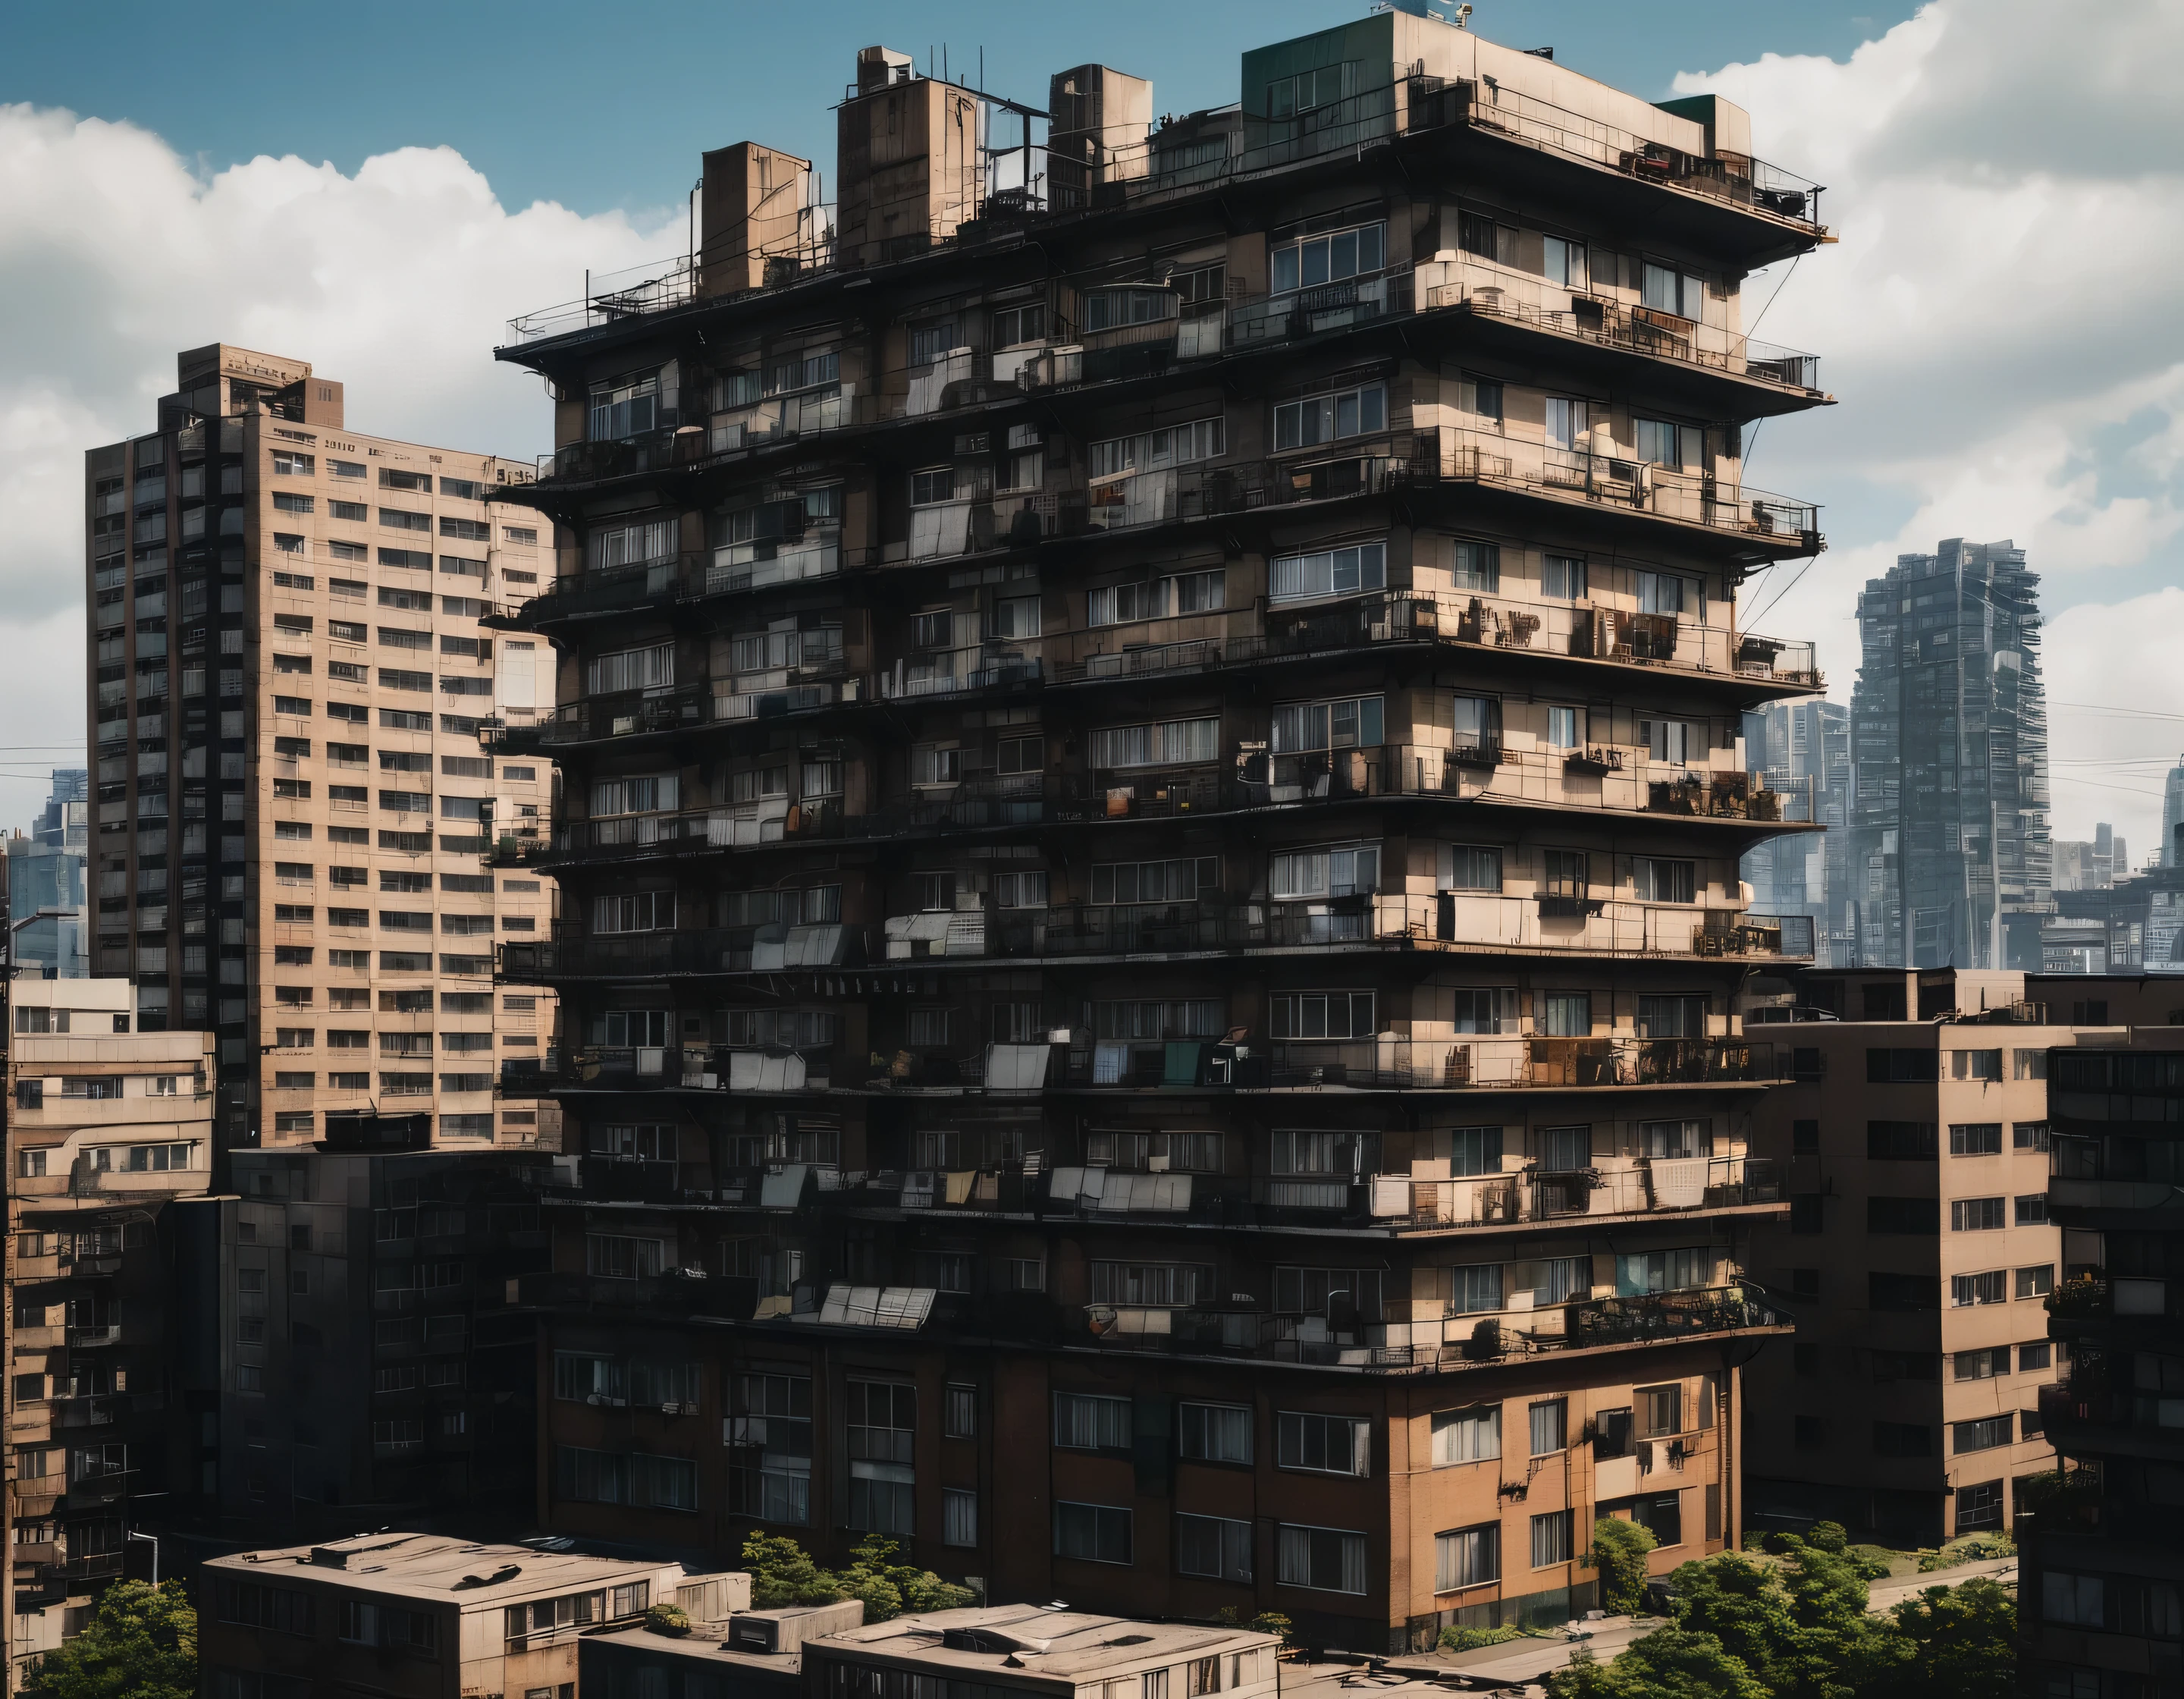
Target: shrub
{"points": [[1454, 1639], [1828, 1536], [1872, 1563], [666, 1618], [1618, 1553]]}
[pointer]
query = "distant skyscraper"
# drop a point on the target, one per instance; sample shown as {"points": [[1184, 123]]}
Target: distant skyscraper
{"points": [[1949, 857], [2172, 812], [1791, 742], [45, 879]]}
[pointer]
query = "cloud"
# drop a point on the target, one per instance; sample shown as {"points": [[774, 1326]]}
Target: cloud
{"points": [[1999, 322], [397, 279]]}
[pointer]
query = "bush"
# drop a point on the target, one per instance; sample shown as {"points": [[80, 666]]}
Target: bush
{"points": [[1828, 1536], [1872, 1563], [1618, 1553], [1973, 1548], [666, 1618], [1454, 1639], [783, 1572], [1266, 1621]]}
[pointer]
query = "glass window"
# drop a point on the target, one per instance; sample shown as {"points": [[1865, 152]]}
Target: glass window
{"points": [[624, 406], [1470, 867], [1215, 1432], [1565, 262], [1549, 1422], [1087, 1422], [1468, 1558], [1328, 257], [1327, 1559], [1216, 1546], [1315, 418], [1551, 1538], [1323, 1445], [1163, 743], [1469, 1435], [1348, 724], [1093, 1533], [1562, 576], [1566, 1014], [1341, 869], [1328, 571], [1478, 566]]}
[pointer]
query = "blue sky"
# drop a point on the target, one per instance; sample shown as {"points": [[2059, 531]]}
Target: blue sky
{"points": [[599, 107], [378, 190]]}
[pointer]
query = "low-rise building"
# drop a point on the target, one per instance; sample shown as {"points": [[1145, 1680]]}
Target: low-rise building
{"points": [[1015, 1651], [424, 1616], [753, 1655], [107, 1126]]}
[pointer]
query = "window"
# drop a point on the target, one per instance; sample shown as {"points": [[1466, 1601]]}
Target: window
{"points": [[1980, 1065], [1898, 1141], [1085, 1422], [651, 667], [1984, 1364], [1660, 1411], [2035, 1282], [622, 407], [1334, 871], [1317, 418], [1353, 722], [1156, 598], [1323, 1445], [1328, 571], [1551, 1538], [1564, 266], [1665, 289], [1566, 727], [1977, 1139], [1990, 1288], [653, 793], [1215, 1433], [1680, 742], [633, 911], [1656, 880], [1549, 1422], [1565, 1014], [1468, 1558], [1109, 310], [611, 547], [1469, 1435], [1337, 254], [1983, 1435], [2078, 1600], [1163, 743], [1566, 422], [1978, 1215], [1329, 1560], [1214, 1546], [1016, 326], [1175, 445], [2029, 1135], [1665, 443], [1323, 1015], [1093, 1533], [959, 1516]]}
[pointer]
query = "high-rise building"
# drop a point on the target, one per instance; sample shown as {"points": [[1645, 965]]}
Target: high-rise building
{"points": [[289, 681], [2172, 813], [108, 1138], [2092, 864], [1948, 845], [1154, 793], [45, 909], [1800, 746]]}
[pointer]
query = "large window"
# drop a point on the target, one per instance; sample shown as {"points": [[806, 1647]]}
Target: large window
{"points": [[633, 545], [622, 407], [1323, 1445], [1157, 1285], [1094, 1533], [1330, 257], [883, 1431], [1312, 420], [1664, 289], [1328, 571], [1478, 566], [634, 912], [1215, 1433], [1329, 1560], [1156, 598], [1470, 867], [1110, 309], [1469, 1435], [1149, 451], [650, 668], [1086, 1421], [1335, 870], [1551, 1538], [648, 794], [1352, 722], [1214, 1546], [1659, 879], [1323, 1015], [1154, 881], [1164, 743], [1467, 1557], [1666, 443]]}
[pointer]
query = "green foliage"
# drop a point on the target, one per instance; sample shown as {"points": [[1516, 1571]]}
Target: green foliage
{"points": [[1799, 1630], [1266, 1621], [666, 1618], [141, 1644], [1668, 1663], [783, 1572], [1454, 1639], [1973, 1548], [1873, 1563], [1618, 1553], [1828, 1536]]}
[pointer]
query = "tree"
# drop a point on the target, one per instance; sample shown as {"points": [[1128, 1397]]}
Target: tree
{"points": [[1668, 1663], [1740, 1602], [1962, 1640], [1618, 1553], [141, 1644], [783, 1572]]}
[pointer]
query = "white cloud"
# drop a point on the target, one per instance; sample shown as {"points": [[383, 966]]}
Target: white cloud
{"points": [[113, 256], [1998, 320]]}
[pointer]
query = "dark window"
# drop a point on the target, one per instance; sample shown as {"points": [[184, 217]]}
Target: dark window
{"points": [[1902, 1291], [1982, 1435], [1804, 1138], [1882, 1002], [1903, 1067], [1805, 1215], [1902, 1214], [1899, 1141], [1902, 1439], [1812, 1433], [1805, 1282]]}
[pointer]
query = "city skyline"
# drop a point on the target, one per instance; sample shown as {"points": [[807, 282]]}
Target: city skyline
{"points": [[2088, 489]]}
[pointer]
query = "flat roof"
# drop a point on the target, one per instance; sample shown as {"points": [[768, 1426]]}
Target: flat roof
{"points": [[1065, 1645], [439, 1567]]}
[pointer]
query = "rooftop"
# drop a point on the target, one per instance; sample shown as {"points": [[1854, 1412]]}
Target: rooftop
{"points": [[1070, 1646], [437, 1567]]}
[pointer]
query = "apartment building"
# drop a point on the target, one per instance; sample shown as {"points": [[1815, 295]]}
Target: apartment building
{"points": [[108, 1128], [289, 684], [1298, 562], [2101, 1581], [1047, 1650], [1791, 744], [1950, 861], [424, 1616], [1917, 1256], [369, 1361]]}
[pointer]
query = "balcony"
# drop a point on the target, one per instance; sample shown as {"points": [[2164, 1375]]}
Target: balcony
{"points": [[1446, 1344], [2115, 1298]]}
